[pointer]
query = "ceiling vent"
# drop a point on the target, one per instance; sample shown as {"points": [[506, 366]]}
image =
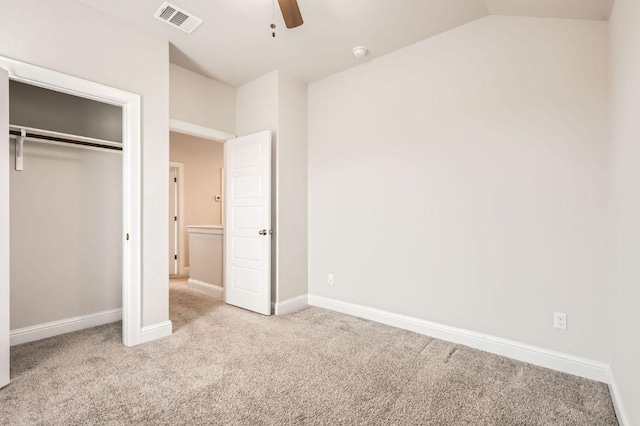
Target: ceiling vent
{"points": [[177, 17]]}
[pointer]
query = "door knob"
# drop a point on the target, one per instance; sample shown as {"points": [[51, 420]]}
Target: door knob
{"points": [[264, 232]]}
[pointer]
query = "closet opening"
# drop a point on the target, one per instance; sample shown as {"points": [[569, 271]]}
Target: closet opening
{"points": [[195, 215], [66, 212], [74, 145]]}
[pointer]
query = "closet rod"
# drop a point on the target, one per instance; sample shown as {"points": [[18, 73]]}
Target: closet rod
{"points": [[46, 135]]}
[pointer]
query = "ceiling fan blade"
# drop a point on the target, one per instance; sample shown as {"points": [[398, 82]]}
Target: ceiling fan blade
{"points": [[291, 13]]}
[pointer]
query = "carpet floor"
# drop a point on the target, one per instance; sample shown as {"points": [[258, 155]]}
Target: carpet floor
{"points": [[227, 366]]}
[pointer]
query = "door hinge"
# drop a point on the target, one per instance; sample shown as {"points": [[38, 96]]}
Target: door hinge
{"points": [[175, 257], [127, 237], [175, 179], [175, 218]]}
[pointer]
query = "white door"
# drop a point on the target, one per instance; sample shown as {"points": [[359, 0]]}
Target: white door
{"points": [[4, 227], [247, 166], [173, 221]]}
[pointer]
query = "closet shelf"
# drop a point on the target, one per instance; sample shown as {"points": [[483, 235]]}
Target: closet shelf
{"points": [[48, 136], [21, 133]]}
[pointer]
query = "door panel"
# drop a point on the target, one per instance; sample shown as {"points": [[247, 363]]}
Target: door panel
{"points": [[248, 222], [4, 228]]}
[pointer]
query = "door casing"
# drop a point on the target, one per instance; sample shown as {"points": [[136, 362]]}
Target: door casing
{"points": [[131, 173], [179, 167]]}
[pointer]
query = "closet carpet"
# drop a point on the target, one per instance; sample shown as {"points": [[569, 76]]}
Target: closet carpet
{"points": [[227, 366]]}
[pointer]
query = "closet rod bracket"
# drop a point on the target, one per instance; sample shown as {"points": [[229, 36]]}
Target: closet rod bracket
{"points": [[20, 150]]}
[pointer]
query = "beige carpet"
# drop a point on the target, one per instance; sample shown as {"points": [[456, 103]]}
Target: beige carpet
{"points": [[224, 365]]}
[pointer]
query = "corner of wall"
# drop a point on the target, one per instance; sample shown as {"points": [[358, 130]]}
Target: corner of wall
{"points": [[200, 100]]}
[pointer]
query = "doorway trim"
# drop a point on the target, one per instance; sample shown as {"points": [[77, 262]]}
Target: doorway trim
{"points": [[199, 131], [131, 168], [202, 132], [181, 237]]}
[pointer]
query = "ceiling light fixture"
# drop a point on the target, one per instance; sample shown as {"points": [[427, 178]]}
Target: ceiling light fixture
{"points": [[360, 52]]}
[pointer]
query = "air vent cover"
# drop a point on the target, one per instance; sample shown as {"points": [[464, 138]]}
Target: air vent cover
{"points": [[177, 17]]}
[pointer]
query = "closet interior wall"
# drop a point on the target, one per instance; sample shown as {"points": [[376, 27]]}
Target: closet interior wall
{"points": [[66, 211]]}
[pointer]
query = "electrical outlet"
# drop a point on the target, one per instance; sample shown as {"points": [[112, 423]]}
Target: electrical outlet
{"points": [[330, 279], [560, 320]]}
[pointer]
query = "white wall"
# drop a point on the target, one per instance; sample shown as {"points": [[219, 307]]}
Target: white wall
{"points": [[462, 180], [292, 188], [203, 161], [66, 230], [278, 103], [625, 123], [257, 105], [199, 100], [72, 38]]}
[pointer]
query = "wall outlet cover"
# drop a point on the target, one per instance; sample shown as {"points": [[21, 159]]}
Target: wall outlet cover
{"points": [[560, 320]]}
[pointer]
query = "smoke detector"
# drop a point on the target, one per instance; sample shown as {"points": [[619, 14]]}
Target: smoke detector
{"points": [[359, 52], [177, 18]]}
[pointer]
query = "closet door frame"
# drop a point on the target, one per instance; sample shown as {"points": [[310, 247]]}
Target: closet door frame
{"points": [[131, 173]]}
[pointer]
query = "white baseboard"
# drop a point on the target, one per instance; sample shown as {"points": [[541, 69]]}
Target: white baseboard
{"points": [[623, 420], [55, 328], [290, 305], [213, 290], [558, 361], [156, 331]]}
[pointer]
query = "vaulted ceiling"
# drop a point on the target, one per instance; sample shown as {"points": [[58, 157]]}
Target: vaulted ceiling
{"points": [[234, 44]]}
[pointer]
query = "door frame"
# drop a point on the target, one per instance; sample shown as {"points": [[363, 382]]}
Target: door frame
{"points": [[131, 174], [219, 136], [180, 206], [203, 132]]}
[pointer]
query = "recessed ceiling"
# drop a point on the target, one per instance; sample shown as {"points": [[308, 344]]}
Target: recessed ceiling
{"points": [[234, 44]]}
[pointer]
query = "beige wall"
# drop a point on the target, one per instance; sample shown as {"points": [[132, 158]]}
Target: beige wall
{"points": [[200, 100], [463, 180], [72, 38], [278, 103], [625, 118], [206, 248], [203, 160]]}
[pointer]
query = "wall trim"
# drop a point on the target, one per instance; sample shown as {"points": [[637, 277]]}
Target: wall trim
{"points": [[553, 360], [156, 331], [213, 290], [199, 131], [290, 305], [623, 420], [56, 328]]}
